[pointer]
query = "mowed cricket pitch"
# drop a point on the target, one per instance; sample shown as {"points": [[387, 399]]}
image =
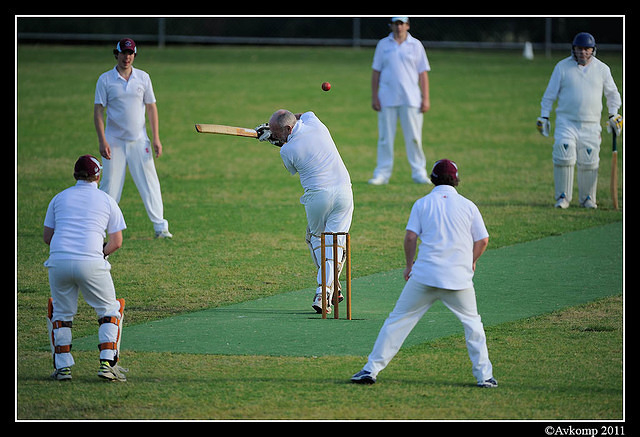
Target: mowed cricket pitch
{"points": [[511, 283]]}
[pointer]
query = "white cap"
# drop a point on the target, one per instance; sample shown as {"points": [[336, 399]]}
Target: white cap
{"points": [[403, 19]]}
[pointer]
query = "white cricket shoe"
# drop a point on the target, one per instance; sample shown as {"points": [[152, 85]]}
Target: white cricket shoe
{"points": [[422, 180], [562, 203], [488, 383], [163, 234], [112, 373], [62, 374], [378, 180], [317, 303], [589, 203], [363, 377]]}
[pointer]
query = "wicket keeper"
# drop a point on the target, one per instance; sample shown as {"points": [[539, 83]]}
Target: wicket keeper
{"points": [[577, 83]]}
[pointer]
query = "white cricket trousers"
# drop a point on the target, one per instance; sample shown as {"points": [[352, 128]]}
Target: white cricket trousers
{"points": [[93, 279], [411, 122], [413, 303], [328, 210], [138, 156]]}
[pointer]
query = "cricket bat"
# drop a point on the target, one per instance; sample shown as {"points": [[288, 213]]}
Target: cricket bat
{"points": [[226, 130], [614, 172]]}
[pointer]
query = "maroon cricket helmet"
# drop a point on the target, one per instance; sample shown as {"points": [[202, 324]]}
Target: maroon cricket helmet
{"points": [[444, 167], [88, 165]]}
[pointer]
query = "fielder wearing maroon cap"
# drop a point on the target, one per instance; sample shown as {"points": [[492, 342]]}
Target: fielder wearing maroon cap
{"points": [[125, 44], [87, 167], [445, 172]]}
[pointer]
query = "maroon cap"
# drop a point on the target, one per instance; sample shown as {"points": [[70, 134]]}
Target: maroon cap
{"points": [[444, 167], [88, 164], [126, 44]]}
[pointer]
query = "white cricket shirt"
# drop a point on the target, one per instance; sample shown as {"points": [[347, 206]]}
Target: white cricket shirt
{"points": [[579, 91], [311, 152], [125, 102], [399, 66], [447, 224], [79, 216]]}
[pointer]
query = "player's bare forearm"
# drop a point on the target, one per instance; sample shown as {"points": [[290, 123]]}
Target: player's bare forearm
{"points": [[375, 83], [114, 243], [47, 235], [424, 87], [98, 121], [152, 115], [478, 249], [410, 245]]}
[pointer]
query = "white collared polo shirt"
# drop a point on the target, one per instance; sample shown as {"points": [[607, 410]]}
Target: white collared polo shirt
{"points": [[447, 224], [79, 217], [125, 101], [399, 66]]}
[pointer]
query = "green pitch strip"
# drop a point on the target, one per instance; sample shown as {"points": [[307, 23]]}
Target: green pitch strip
{"points": [[511, 283]]}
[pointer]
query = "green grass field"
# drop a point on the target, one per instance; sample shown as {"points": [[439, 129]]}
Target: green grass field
{"points": [[239, 236]]}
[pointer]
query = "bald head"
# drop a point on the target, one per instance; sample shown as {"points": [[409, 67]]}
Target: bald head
{"points": [[281, 124]]}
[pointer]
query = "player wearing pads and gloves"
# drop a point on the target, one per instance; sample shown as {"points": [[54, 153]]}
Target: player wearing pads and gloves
{"points": [[308, 149], [578, 83], [74, 227]]}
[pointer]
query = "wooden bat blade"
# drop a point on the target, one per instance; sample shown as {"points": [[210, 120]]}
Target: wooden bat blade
{"points": [[225, 130]]}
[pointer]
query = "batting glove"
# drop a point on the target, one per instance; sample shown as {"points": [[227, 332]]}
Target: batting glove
{"points": [[544, 126], [615, 124], [264, 134]]}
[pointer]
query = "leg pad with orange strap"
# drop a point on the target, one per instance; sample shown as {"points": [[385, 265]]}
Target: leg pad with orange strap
{"points": [[110, 334], [59, 339]]}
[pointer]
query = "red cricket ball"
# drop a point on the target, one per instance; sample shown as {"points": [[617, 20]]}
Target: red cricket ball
{"points": [[326, 86]]}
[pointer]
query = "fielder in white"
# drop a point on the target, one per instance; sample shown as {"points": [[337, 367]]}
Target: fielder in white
{"points": [[308, 149], [452, 237], [400, 90], [74, 228], [578, 83], [127, 94]]}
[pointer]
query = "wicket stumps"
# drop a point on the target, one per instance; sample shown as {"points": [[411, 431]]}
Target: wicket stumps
{"points": [[323, 268]]}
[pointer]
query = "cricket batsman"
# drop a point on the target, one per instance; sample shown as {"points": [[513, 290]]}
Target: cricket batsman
{"points": [[577, 83], [308, 149]]}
